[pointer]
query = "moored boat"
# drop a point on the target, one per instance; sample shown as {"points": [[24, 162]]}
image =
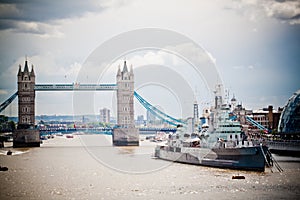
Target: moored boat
{"points": [[69, 136], [225, 147]]}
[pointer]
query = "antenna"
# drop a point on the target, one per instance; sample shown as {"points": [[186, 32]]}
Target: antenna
{"points": [[196, 93]]}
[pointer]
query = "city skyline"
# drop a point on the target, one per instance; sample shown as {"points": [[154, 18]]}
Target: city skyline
{"points": [[254, 44]]}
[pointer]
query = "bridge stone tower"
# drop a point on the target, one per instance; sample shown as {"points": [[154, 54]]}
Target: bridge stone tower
{"points": [[125, 134], [26, 134]]}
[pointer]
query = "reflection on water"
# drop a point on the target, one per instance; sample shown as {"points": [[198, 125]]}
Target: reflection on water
{"points": [[126, 150], [131, 159]]}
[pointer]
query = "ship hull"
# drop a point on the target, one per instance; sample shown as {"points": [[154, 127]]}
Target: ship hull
{"points": [[246, 158]]}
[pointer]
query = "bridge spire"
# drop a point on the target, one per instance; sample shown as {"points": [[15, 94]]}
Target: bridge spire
{"points": [[20, 71], [26, 66], [125, 69], [32, 71], [119, 71]]}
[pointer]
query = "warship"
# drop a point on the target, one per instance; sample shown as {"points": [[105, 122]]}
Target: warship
{"points": [[223, 145]]}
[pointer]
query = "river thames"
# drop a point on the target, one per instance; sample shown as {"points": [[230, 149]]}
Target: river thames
{"points": [[89, 167]]}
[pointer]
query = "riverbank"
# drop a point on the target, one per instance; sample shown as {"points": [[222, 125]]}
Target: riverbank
{"points": [[88, 167]]}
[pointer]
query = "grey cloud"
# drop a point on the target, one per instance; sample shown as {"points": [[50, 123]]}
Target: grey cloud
{"points": [[282, 10], [296, 16], [41, 11], [36, 28], [15, 14], [6, 24]]}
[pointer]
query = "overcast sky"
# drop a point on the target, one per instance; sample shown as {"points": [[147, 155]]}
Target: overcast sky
{"points": [[255, 44]]}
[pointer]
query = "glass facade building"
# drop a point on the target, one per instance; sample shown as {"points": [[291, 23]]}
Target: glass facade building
{"points": [[290, 117]]}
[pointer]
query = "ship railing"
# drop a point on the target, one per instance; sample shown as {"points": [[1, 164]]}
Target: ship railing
{"points": [[268, 161], [273, 161]]}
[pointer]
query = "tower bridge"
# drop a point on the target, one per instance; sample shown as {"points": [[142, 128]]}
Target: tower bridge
{"points": [[124, 134]]}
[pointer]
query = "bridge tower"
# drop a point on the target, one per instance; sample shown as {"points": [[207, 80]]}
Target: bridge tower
{"points": [[125, 134], [26, 134]]}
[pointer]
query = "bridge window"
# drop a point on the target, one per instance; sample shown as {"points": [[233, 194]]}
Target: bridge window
{"points": [[26, 99], [25, 119], [26, 109], [126, 120], [125, 109]]}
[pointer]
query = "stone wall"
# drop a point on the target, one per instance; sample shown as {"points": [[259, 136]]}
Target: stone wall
{"points": [[26, 138], [125, 137]]}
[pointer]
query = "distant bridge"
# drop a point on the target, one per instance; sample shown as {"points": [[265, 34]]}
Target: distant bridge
{"points": [[98, 87]]}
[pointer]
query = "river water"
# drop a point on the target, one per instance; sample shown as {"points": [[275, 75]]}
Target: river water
{"points": [[89, 167]]}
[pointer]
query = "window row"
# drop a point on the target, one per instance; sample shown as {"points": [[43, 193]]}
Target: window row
{"points": [[25, 120], [126, 120], [26, 109], [27, 99], [126, 109]]}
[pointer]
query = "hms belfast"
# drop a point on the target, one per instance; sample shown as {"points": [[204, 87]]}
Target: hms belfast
{"points": [[221, 144]]}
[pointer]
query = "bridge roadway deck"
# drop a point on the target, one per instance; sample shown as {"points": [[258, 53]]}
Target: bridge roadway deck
{"points": [[75, 87]]}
